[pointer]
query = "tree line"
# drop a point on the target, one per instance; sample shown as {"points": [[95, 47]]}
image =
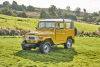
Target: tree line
{"points": [[52, 12], [11, 9]]}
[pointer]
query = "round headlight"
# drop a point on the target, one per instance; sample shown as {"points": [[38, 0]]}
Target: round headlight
{"points": [[36, 38]]}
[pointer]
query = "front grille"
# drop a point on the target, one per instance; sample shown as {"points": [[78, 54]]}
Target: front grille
{"points": [[31, 38]]}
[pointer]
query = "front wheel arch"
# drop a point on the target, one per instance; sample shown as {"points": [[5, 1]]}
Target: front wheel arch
{"points": [[50, 41]]}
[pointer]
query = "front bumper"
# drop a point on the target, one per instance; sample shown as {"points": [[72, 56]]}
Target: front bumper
{"points": [[32, 45], [29, 44]]}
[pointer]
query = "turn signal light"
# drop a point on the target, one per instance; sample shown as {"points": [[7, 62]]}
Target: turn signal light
{"points": [[23, 37]]}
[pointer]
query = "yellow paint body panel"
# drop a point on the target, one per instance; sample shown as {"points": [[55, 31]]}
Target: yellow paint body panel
{"points": [[57, 36]]}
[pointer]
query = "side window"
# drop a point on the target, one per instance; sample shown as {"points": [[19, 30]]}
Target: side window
{"points": [[68, 25], [42, 25], [60, 26]]}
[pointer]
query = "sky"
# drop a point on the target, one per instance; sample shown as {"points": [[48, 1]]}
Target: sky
{"points": [[89, 5]]}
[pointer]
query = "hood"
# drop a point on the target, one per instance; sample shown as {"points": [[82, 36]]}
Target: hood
{"points": [[41, 32]]}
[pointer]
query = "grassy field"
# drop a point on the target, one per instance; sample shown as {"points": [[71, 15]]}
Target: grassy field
{"points": [[86, 27], [27, 23], [84, 53], [13, 22]]}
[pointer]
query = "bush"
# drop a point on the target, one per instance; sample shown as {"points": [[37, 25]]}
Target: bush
{"points": [[70, 16], [95, 33], [12, 32], [22, 14]]}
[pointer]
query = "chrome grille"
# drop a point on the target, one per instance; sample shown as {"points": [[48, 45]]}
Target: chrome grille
{"points": [[30, 38]]}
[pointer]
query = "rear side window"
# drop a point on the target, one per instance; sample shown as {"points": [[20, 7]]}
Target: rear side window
{"points": [[68, 25], [61, 25]]}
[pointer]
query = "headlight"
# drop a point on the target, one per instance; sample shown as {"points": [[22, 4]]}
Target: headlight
{"points": [[36, 38]]}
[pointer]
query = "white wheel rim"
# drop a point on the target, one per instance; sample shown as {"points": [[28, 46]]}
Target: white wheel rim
{"points": [[69, 44], [46, 49]]}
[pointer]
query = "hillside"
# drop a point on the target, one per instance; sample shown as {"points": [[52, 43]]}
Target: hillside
{"points": [[12, 22], [28, 23], [86, 27]]}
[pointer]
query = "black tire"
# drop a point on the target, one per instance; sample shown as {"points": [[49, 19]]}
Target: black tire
{"points": [[75, 31], [24, 47], [45, 47], [68, 44]]}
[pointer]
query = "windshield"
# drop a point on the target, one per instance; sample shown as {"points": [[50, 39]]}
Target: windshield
{"points": [[46, 24]]}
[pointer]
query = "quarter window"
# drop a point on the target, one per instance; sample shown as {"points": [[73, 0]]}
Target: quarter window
{"points": [[61, 25], [68, 25]]}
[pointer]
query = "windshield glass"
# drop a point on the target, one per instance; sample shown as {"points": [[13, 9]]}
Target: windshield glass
{"points": [[46, 24]]}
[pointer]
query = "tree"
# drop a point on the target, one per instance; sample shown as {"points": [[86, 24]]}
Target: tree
{"points": [[53, 11], [99, 12], [89, 18], [44, 14], [23, 7], [84, 10], [30, 8], [6, 3], [14, 5], [69, 16], [7, 11], [22, 14], [59, 13], [77, 11], [68, 8], [95, 14]]}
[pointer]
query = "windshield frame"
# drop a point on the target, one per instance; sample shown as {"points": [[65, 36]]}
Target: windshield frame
{"points": [[45, 24]]}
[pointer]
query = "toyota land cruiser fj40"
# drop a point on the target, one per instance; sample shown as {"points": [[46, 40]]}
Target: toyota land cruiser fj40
{"points": [[50, 32]]}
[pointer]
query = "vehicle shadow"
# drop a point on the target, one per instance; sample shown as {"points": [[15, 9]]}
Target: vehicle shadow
{"points": [[57, 55]]}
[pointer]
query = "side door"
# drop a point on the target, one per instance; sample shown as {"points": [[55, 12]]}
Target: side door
{"points": [[69, 29], [60, 32]]}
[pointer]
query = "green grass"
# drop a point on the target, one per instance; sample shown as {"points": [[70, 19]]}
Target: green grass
{"points": [[84, 53], [86, 27], [28, 23]]}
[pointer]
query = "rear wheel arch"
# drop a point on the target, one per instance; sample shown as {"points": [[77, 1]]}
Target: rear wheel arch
{"points": [[70, 37]]}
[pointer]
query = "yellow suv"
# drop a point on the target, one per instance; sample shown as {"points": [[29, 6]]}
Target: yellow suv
{"points": [[50, 32]]}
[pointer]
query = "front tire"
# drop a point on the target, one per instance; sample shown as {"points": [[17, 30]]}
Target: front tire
{"points": [[45, 47], [24, 47], [68, 44]]}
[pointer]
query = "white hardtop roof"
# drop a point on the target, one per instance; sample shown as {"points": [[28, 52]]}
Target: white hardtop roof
{"points": [[59, 20]]}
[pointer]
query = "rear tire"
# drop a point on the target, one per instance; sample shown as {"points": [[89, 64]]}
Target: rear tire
{"points": [[45, 47], [68, 44], [75, 31]]}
